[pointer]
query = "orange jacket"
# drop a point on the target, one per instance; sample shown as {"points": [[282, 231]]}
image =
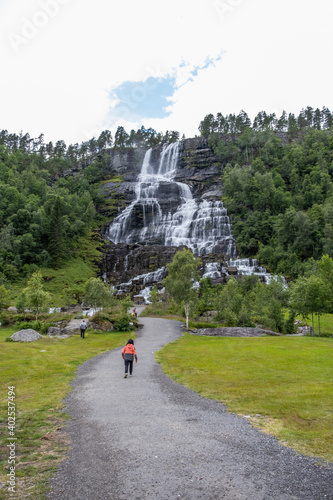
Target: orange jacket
{"points": [[129, 352]]}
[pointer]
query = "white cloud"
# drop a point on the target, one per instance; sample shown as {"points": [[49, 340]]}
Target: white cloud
{"points": [[275, 56]]}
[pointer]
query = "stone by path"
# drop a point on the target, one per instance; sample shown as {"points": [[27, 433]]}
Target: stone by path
{"points": [[148, 438], [74, 324]]}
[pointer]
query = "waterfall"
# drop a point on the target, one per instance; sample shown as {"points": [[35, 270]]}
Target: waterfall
{"points": [[165, 212]]}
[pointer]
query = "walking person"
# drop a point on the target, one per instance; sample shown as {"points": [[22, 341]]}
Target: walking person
{"points": [[129, 354], [83, 328]]}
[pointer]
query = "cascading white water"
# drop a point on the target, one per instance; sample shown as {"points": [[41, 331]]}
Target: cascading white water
{"points": [[165, 212], [249, 267]]}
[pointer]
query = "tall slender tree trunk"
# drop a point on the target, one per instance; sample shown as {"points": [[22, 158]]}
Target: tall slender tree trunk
{"points": [[319, 324], [187, 312]]}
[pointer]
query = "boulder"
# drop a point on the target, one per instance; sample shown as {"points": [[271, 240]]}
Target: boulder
{"points": [[55, 331], [28, 335], [234, 332], [105, 326]]}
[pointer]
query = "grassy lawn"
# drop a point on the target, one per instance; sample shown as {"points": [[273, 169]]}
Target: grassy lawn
{"points": [[283, 384], [41, 373], [326, 324]]}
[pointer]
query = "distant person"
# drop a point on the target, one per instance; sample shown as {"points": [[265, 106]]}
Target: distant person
{"points": [[129, 354], [83, 328], [135, 312]]}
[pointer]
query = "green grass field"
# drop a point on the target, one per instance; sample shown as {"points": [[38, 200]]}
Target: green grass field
{"points": [[41, 373], [283, 384]]}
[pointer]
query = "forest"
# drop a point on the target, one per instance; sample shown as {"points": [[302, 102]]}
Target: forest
{"points": [[44, 209], [277, 178], [278, 185]]}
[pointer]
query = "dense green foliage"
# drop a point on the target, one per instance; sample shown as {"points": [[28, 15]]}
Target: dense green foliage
{"points": [[42, 215], [181, 279], [49, 193], [278, 185], [277, 175], [245, 301], [143, 138]]}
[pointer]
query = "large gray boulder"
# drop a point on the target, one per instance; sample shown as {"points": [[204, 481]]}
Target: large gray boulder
{"points": [[28, 335]]}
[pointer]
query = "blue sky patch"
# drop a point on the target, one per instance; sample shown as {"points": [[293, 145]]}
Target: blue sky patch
{"points": [[146, 99]]}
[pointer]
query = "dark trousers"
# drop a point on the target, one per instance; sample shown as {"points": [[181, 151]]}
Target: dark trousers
{"points": [[129, 363], [82, 332]]}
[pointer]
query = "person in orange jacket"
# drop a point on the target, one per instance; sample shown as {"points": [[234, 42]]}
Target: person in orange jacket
{"points": [[129, 354]]}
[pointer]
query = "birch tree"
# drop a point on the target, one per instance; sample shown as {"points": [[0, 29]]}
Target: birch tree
{"points": [[182, 279]]}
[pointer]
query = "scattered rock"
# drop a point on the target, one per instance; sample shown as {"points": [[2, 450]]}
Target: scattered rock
{"points": [[105, 326], [12, 309], [233, 332], [54, 331], [28, 335]]}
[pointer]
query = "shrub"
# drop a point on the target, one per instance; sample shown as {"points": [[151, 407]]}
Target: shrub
{"points": [[45, 326], [244, 318], [230, 318], [123, 324], [175, 308], [100, 317], [7, 318], [25, 317], [34, 325], [289, 325]]}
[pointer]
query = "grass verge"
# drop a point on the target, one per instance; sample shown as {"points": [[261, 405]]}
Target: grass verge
{"points": [[283, 384], [326, 324], [41, 373]]}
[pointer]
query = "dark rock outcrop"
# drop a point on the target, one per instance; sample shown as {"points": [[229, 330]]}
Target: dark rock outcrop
{"points": [[197, 167], [120, 263], [200, 169]]}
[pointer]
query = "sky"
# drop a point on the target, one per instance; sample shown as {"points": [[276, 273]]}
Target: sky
{"points": [[73, 68]]}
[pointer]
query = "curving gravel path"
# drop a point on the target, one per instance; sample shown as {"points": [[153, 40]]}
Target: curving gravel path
{"points": [[149, 438]]}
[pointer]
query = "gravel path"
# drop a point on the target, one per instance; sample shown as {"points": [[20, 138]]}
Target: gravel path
{"points": [[149, 438]]}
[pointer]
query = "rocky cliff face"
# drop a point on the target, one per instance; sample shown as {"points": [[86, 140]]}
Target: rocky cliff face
{"points": [[197, 168], [200, 169]]}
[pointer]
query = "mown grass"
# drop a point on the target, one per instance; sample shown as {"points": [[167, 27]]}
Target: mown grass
{"points": [[283, 384], [326, 324], [41, 372]]}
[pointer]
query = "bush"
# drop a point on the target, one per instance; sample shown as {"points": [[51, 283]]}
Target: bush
{"points": [[325, 334], [45, 326], [7, 318], [289, 325], [244, 318], [230, 318], [100, 317], [25, 317], [34, 325], [174, 308], [123, 324], [198, 324]]}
